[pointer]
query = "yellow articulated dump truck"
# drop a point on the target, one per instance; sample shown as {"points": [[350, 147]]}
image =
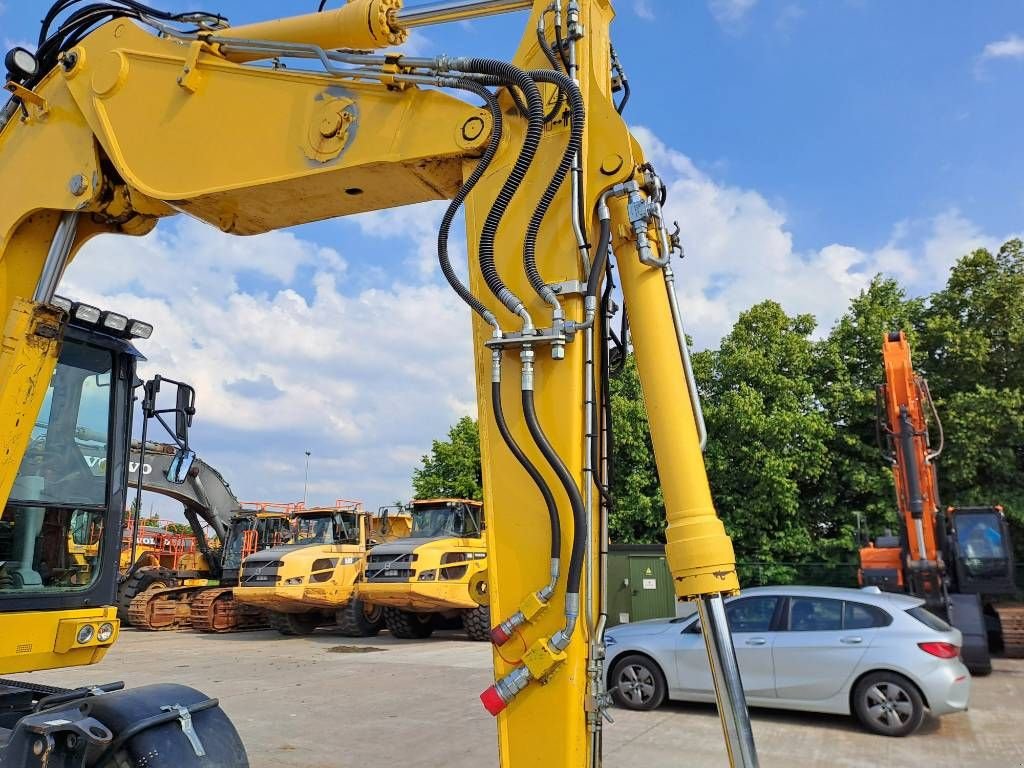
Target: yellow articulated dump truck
{"points": [[437, 573], [310, 580]]}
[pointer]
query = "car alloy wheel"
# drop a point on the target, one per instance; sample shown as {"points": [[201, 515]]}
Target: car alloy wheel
{"points": [[889, 705], [636, 684]]}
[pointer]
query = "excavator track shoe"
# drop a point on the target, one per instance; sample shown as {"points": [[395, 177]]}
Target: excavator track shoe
{"points": [[216, 610]]}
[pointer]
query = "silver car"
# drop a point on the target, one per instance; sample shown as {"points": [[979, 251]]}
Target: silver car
{"points": [[880, 656]]}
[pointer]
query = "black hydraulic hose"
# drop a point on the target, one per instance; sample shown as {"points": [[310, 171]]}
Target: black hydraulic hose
{"points": [[460, 197], [604, 236], [572, 148], [602, 406], [560, 44], [550, 56], [625, 96], [531, 470], [535, 125], [579, 519]]}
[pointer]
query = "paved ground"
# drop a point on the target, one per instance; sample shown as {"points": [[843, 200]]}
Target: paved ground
{"points": [[306, 702]]}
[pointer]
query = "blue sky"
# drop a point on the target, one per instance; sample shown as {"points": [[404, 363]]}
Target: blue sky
{"points": [[807, 145]]}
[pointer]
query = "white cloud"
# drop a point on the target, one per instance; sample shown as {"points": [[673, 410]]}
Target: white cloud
{"points": [[1010, 48], [643, 9], [729, 13], [739, 251], [283, 358]]}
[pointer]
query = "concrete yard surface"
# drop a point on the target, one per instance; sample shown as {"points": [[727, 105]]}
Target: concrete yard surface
{"points": [[327, 701]]}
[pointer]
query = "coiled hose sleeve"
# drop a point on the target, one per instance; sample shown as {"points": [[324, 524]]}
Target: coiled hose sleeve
{"points": [[579, 530], [578, 117], [531, 470], [460, 197], [507, 73]]}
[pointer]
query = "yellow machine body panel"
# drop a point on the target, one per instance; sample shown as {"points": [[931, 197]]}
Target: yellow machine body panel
{"points": [[249, 149], [441, 580], [37, 640]]}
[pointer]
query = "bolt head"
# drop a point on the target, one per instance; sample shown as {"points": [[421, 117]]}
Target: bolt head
{"points": [[77, 185]]}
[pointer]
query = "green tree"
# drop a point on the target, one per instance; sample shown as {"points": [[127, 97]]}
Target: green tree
{"points": [[973, 330], [767, 438], [452, 468], [638, 512], [858, 482]]}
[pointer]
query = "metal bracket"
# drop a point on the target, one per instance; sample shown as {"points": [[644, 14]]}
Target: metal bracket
{"points": [[185, 718], [568, 287], [27, 96], [516, 339], [190, 75]]}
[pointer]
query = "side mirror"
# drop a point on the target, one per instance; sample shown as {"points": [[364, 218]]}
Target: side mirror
{"points": [[184, 410], [177, 472]]}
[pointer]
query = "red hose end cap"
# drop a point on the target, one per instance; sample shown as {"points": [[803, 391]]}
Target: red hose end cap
{"points": [[492, 701], [499, 636]]}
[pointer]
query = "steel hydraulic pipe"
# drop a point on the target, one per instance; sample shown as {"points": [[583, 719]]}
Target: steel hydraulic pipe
{"points": [[732, 703], [56, 257], [455, 10]]}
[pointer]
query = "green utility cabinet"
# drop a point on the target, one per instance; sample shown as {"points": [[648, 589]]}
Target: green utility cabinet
{"points": [[639, 584]]}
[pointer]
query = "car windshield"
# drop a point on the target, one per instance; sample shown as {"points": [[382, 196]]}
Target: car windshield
{"points": [[52, 527], [436, 521], [327, 528], [980, 542]]}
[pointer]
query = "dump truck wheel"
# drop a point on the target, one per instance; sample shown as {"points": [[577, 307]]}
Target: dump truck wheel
{"points": [[360, 619], [150, 577], [477, 622], [407, 625], [295, 623]]}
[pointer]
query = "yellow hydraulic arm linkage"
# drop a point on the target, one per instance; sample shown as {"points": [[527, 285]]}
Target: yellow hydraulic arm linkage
{"points": [[125, 126]]}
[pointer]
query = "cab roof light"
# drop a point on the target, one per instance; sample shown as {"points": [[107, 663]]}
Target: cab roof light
{"points": [[114, 322], [139, 330], [85, 313], [61, 303]]}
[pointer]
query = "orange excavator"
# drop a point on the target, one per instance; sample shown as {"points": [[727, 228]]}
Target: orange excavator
{"points": [[955, 559]]}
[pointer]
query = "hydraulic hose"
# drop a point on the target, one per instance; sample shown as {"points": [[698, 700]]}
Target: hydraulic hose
{"points": [[579, 533], [507, 73], [549, 54], [531, 470], [460, 197], [604, 236], [572, 91]]}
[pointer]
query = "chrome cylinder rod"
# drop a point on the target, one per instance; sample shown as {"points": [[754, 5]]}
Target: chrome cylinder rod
{"points": [[725, 672], [455, 10], [56, 257]]}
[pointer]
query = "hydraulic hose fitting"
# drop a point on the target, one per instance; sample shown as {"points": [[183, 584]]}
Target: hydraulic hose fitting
{"points": [[501, 633], [532, 607], [560, 640], [496, 363], [558, 331], [498, 696], [526, 355]]}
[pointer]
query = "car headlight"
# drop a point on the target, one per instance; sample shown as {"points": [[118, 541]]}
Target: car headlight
{"points": [[609, 640], [293, 581], [105, 632], [430, 575], [85, 634]]}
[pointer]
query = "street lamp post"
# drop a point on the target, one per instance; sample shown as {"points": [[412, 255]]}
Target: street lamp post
{"points": [[305, 484]]}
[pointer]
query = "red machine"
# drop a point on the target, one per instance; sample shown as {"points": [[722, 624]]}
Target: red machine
{"points": [[954, 558]]}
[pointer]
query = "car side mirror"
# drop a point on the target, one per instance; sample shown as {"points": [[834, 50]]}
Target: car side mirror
{"points": [[180, 465]]}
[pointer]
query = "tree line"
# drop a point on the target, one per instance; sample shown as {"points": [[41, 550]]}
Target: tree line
{"points": [[792, 456]]}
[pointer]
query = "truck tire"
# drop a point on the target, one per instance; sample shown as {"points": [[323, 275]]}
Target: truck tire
{"points": [[150, 577], [407, 625], [292, 624], [477, 622], [360, 619]]}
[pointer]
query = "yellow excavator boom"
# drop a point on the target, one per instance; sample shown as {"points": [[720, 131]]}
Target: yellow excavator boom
{"points": [[130, 126]]}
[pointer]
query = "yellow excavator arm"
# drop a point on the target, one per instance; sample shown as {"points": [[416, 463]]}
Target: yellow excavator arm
{"points": [[141, 119]]}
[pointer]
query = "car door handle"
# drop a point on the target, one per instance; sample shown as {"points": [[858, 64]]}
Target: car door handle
{"points": [[851, 640], [757, 641]]}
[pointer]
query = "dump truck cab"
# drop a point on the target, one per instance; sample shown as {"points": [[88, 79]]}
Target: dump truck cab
{"points": [[436, 573], [310, 579]]}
